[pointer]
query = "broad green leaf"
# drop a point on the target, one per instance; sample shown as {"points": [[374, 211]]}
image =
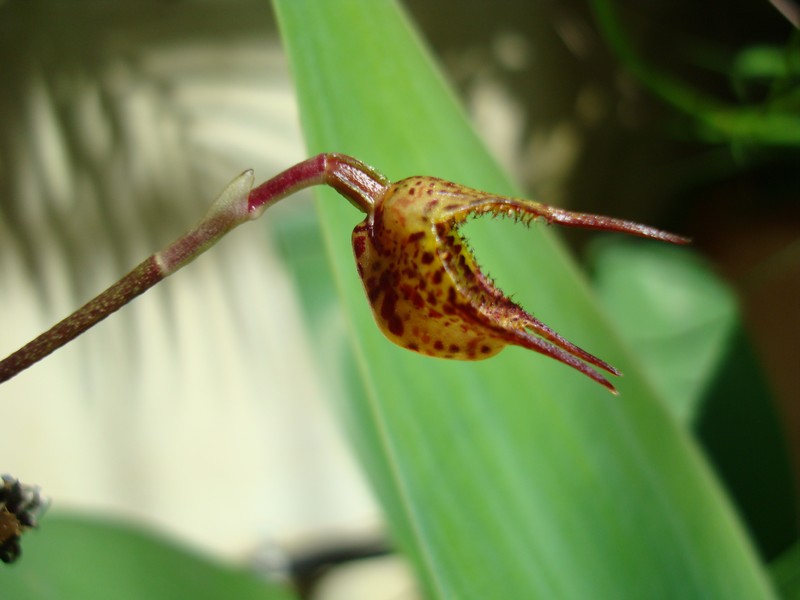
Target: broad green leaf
{"points": [[666, 301], [77, 557], [684, 323], [513, 477]]}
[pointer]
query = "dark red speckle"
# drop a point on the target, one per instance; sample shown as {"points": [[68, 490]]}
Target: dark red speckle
{"points": [[396, 325], [359, 245]]}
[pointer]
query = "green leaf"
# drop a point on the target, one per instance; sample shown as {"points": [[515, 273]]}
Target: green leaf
{"points": [[774, 124], [673, 310], [684, 323], [77, 557], [785, 572], [513, 477], [763, 62], [743, 437]]}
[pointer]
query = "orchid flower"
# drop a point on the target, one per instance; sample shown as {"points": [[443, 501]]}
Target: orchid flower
{"points": [[422, 281]]}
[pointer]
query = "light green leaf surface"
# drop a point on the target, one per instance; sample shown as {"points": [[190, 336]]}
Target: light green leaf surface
{"points": [[665, 300], [513, 477], [75, 557], [683, 322]]}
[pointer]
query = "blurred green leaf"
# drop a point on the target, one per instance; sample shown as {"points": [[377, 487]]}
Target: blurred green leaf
{"points": [[763, 62], [774, 123], [683, 321], [665, 301], [77, 557], [741, 433], [785, 572], [514, 477]]}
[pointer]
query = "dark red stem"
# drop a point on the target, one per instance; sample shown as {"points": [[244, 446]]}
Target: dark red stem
{"points": [[139, 280], [353, 179], [359, 183]]}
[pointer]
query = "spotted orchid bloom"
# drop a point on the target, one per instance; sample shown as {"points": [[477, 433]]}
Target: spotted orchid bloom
{"points": [[424, 285], [421, 280]]}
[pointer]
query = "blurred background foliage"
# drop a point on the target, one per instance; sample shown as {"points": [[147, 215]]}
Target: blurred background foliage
{"points": [[679, 114]]}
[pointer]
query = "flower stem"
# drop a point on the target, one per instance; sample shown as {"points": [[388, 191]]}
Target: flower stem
{"points": [[238, 203], [140, 279]]}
